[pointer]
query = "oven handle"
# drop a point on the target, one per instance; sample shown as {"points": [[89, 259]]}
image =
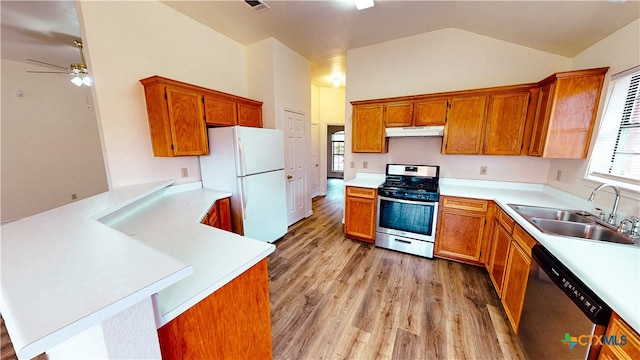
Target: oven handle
{"points": [[434, 203]]}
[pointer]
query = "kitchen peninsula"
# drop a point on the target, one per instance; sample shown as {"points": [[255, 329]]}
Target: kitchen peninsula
{"points": [[142, 247]]}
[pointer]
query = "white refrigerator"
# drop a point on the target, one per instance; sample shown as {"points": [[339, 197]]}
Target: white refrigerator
{"points": [[249, 162]]}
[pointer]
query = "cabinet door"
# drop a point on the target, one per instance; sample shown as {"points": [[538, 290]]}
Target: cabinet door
{"points": [[249, 115], [220, 111], [515, 283], [188, 130], [430, 112], [399, 114], [463, 132], [368, 129], [224, 214], [499, 255], [541, 123], [506, 123], [460, 235], [360, 214], [615, 331]]}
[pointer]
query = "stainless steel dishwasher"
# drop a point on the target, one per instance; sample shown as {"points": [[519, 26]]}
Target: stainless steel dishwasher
{"points": [[560, 316]]}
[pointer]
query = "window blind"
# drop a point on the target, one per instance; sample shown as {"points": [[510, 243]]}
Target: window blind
{"points": [[616, 154]]}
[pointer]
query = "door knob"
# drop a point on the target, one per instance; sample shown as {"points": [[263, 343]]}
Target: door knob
{"points": [[289, 177]]}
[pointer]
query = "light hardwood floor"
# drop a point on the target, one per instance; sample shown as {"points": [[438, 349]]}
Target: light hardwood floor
{"points": [[336, 298]]}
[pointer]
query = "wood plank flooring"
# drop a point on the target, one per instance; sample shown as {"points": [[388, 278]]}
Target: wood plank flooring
{"points": [[336, 298]]}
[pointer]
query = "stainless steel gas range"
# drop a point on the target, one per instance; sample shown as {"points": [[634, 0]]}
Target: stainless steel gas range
{"points": [[408, 209]]}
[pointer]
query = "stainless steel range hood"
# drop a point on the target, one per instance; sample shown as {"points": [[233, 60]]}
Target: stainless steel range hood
{"points": [[415, 131]]}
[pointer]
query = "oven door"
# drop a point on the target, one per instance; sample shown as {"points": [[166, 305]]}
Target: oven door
{"points": [[407, 218]]}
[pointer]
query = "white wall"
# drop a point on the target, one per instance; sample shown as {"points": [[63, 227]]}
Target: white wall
{"points": [[130, 40], [444, 60], [50, 144], [329, 107], [281, 78], [620, 51]]}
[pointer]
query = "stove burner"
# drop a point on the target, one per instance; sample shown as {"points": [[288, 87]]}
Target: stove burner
{"points": [[411, 182]]}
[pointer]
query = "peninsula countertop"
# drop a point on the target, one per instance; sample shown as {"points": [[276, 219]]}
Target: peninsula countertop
{"points": [[68, 269]]}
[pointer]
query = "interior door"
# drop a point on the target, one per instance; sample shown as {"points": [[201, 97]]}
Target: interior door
{"points": [[314, 181], [294, 129]]}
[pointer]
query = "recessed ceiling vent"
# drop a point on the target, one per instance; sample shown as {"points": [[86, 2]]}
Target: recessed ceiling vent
{"points": [[257, 5]]}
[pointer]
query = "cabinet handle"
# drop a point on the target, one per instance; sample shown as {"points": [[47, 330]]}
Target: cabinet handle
{"points": [[402, 241]]}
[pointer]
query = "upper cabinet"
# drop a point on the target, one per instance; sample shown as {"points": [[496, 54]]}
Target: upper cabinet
{"points": [[368, 129], [179, 114], [463, 130], [566, 114], [552, 118], [176, 119]]}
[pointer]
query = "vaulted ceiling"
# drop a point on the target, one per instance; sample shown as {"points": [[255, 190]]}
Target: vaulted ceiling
{"points": [[322, 31]]}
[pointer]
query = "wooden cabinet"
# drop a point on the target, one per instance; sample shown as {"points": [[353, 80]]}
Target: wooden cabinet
{"points": [[367, 126], [176, 120], [515, 279], [249, 113], [505, 123], [566, 113], [463, 131], [430, 111], [360, 213], [179, 114], [509, 264], [398, 114], [461, 229], [623, 341], [232, 323], [219, 110], [219, 215]]}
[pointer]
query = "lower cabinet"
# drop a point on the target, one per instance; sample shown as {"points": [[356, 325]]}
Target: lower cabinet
{"points": [[360, 213], [462, 229], [623, 341], [232, 323], [219, 215], [509, 265]]}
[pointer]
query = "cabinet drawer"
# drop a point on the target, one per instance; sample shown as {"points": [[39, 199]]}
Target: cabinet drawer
{"points": [[361, 192], [506, 220], [465, 204], [523, 238], [617, 329]]}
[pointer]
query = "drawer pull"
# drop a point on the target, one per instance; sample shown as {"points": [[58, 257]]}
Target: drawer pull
{"points": [[402, 241]]}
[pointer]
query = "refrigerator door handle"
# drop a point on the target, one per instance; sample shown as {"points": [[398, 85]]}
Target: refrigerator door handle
{"points": [[243, 165], [244, 197]]}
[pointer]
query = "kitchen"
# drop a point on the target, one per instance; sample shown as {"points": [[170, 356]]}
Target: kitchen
{"points": [[126, 132]]}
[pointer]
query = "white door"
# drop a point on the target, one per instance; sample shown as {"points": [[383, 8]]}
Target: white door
{"points": [[294, 129], [314, 185]]}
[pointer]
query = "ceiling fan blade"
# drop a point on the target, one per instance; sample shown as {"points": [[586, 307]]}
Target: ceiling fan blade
{"points": [[48, 72], [45, 63]]}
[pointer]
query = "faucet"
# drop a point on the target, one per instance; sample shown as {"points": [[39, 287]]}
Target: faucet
{"points": [[612, 217]]}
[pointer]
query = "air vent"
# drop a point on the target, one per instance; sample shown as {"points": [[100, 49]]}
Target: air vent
{"points": [[257, 5]]}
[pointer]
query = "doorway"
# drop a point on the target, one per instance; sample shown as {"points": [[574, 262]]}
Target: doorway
{"points": [[335, 151]]}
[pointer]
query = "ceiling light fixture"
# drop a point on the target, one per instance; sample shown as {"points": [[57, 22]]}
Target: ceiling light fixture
{"points": [[363, 4], [337, 82]]}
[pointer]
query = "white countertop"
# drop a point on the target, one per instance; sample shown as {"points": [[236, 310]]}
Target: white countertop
{"points": [[70, 268], [63, 271], [366, 180], [611, 270], [171, 224]]}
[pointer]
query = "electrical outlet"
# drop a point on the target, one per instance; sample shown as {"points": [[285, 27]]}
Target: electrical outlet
{"points": [[559, 175], [185, 172], [352, 164], [365, 164], [483, 170], [74, 196]]}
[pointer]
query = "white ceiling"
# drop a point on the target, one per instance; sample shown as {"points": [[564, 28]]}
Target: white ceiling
{"points": [[322, 31]]}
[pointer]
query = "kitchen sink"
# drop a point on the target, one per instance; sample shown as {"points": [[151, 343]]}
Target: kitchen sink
{"points": [[574, 223], [592, 231], [552, 214]]}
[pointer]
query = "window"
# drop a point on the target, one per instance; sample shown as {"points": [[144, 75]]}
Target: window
{"points": [[616, 154], [337, 151]]}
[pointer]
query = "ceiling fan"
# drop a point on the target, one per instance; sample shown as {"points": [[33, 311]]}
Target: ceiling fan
{"points": [[78, 71]]}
